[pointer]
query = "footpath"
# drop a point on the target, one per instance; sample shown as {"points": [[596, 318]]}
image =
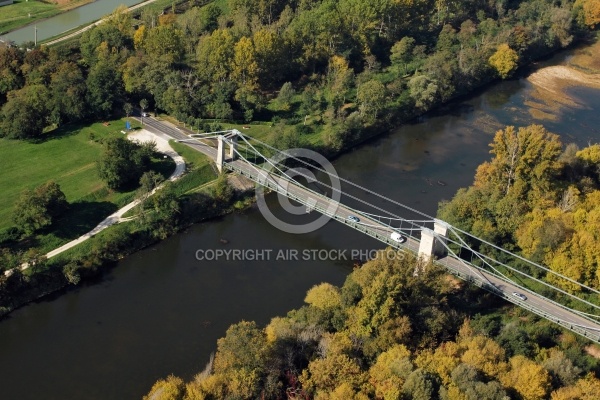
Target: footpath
{"points": [[162, 146]]}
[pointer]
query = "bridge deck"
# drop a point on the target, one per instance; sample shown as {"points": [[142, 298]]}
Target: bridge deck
{"points": [[535, 303]]}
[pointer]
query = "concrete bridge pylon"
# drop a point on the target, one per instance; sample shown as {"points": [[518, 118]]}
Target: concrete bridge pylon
{"points": [[433, 242]]}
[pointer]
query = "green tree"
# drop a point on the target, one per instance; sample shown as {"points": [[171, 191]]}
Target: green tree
{"points": [[285, 96], [37, 209], [222, 190], [164, 42], [420, 385], [25, 113], [67, 91], [423, 90], [143, 104], [91, 40], [123, 162], [401, 54], [104, 88], [128, 108], [371, 97], [215, 55], [11, 59], [243, 347]]}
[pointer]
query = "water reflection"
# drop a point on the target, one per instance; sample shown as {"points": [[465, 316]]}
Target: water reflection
{"points": [[160, 311]]}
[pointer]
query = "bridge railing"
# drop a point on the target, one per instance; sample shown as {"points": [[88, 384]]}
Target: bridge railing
{"points": [[259, 172], [589, 333], [407, 227]]}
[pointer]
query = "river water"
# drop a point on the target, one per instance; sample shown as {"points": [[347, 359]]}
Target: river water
{"points": [[63, 22], [160, 311]]}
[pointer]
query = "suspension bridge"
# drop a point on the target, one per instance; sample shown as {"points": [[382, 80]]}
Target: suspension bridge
{"points": [[501, 272]]}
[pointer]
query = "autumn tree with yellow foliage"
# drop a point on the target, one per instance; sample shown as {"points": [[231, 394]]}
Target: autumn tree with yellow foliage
{"points": [[504, 60]]}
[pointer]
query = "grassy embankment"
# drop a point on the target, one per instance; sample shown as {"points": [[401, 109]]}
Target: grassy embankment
{"points": [[68, 156], [24, 12]]}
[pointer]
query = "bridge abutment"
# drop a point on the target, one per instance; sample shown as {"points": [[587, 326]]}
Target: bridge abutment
{"points": [[433, 242]]}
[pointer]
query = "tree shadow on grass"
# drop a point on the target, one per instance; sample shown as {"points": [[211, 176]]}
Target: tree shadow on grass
{"points": [[162, 165], [82, 217], [62, 131]]}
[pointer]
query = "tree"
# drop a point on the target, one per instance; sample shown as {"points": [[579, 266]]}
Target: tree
{"points": [[25, 113], [244, 346], [401, 54], [504, 60], [104, 88], [164, 42], [285, 96], [371, 98], [423, 90], [67, 91], [223, 191], [11, 59], [172, 388], [215, 55], [128, 108], [591, 12], [271, 55], [324, 296], [121, 19], [160, 212], [124, 162], [420, 385], [38, 208], [525, 162], [529, 379], [244, 69], [143, 104], [109, 34], [390, 371], [324, 375]]}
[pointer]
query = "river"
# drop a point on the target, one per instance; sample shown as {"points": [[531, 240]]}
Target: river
{"points": [[160, 311], [60, 23]]}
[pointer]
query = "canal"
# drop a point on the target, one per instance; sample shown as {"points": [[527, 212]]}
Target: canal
{"points": [[66, 21]]}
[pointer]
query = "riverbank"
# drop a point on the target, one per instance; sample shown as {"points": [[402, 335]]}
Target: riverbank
{"points": [[144, 240], [24, 13], [553, 83], [161, 311]]}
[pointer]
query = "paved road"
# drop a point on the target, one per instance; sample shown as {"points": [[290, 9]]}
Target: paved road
{"points": [[535, 303]]}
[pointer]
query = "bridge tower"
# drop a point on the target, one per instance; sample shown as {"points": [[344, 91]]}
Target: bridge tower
{"points": [[231, 139], [433, 241]]}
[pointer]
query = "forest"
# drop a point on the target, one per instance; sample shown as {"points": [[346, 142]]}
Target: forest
{"points": [[540, 199], [389, 333], [402, 329], [324, 73]]}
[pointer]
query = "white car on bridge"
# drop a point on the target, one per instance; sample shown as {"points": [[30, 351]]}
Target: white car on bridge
{"points": [[395, 236]]}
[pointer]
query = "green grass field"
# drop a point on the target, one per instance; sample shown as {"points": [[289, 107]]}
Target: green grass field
{"points": [[67, 156], [18, 14]]}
